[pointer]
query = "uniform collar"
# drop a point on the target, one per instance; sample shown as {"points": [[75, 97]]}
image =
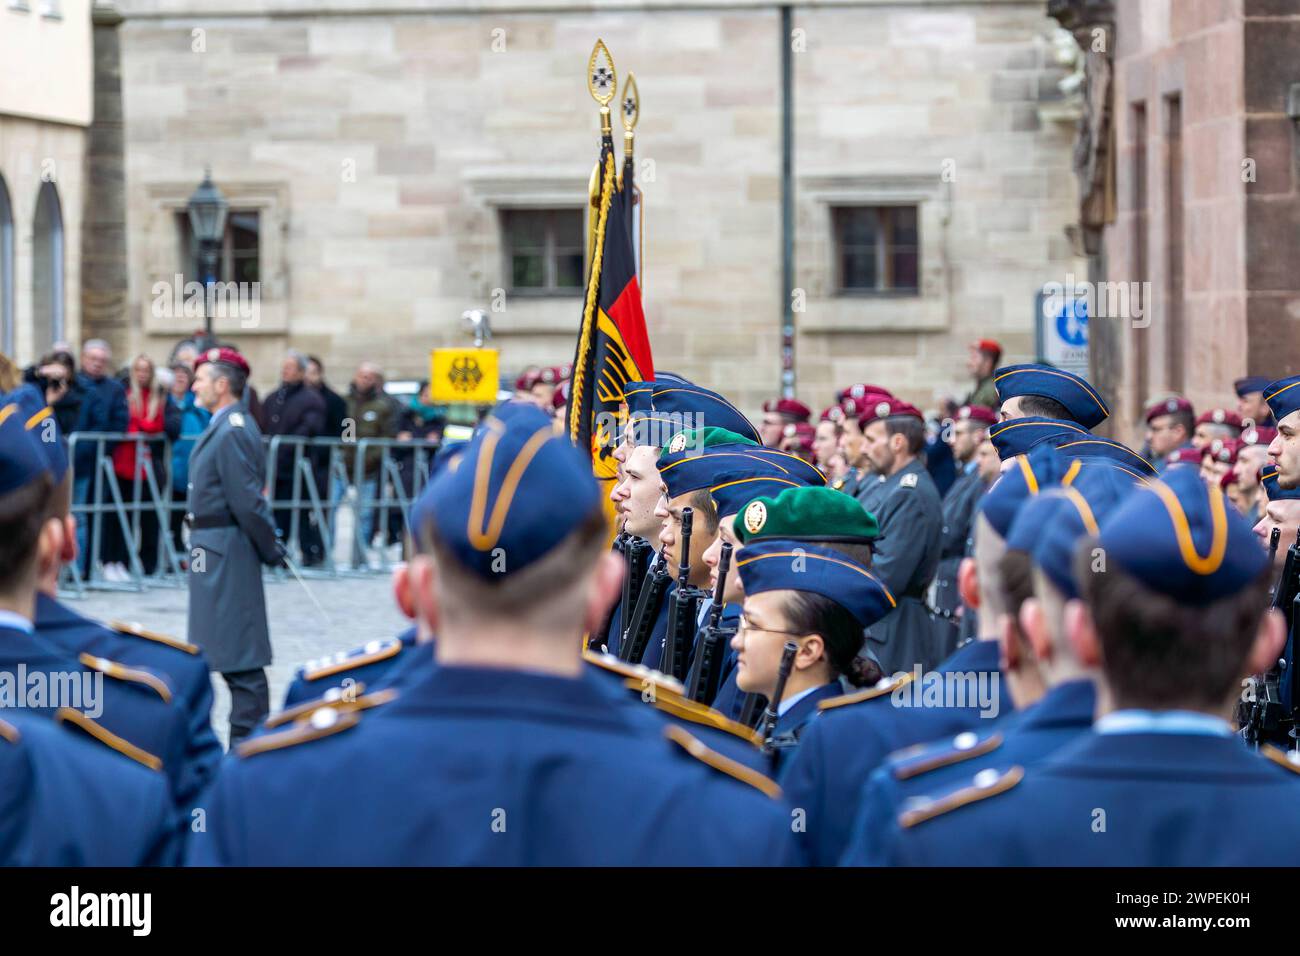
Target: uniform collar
{"points": [[51, 613], [13, 621], [796, 711], [976, 655], [1184, 722], [1071, 704]]}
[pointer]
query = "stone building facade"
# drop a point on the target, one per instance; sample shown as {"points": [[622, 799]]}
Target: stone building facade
{"points": [[45, 109], [380, 149], [1203, 101]]}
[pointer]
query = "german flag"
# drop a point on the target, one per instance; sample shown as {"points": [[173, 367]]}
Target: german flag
{"points": [[613, 347]]}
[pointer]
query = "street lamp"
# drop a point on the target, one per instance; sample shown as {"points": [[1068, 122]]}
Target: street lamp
{"points": [[207, 211]]}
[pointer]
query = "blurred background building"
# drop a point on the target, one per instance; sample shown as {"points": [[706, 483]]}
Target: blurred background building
{"points": [[1188, 176], [390, 164], [45, 111]]}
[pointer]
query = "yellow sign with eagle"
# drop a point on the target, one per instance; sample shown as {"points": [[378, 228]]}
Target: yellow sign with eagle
{"points": [[464, 375]]}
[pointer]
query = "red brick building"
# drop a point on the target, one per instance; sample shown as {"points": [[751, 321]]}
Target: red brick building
{"points": [[1188, 174]]}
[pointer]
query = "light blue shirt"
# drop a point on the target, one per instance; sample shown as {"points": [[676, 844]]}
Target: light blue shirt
{"points": [[16, 621], [789, 702], [1163, 722]]}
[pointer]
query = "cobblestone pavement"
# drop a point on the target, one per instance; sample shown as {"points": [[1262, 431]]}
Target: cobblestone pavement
{"points": [[357, 609]]}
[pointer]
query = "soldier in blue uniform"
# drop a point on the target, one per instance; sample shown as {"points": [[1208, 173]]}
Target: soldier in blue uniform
{"points": [[484, 759], [126, 710], [1250, 400], [1283, 397], [817, 598], [854, 734], [909, 512], [1161, 780], [1054, 690], [233, 535], [181, 664], [1041, 391]]}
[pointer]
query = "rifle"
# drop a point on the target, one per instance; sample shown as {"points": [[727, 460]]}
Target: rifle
{"points": [[706, 669], [683, 609], [636, 555], [646, 612], [1263, 715], [752, 709], [782, 675]]}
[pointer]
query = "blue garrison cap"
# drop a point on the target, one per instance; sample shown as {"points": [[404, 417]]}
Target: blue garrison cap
{"points": [[1079, 398], [1283, 396], [779, 564], [39, 420], [695, 470], [1029, 475], [1250, 384], [734, 488], [676, 404], [21, 458], [1117, 453], [1182, 538], [1051, 525], [1019, 435], [515, 492], [1275, 492]]}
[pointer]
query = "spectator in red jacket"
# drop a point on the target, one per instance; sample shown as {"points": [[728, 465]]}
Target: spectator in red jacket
{"points": [[148, 413]]}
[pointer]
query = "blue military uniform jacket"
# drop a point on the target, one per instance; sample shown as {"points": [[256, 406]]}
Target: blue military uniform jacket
{"points": [[915, 776], [138, 714], [227, 609], [790, 726], [70, 801], [473, 766], [182, 665], [369, 666], [1140, 799], [853, 735], [959, 506]]}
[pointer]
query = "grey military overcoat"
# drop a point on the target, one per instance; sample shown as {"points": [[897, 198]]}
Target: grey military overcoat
{"points": [[227, 616]]}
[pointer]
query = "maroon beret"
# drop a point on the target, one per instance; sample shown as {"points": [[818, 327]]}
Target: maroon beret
{"points": [[224, 356], [884, 407], [1219, 416], [788, 406], [1168, 406], [978, 413]]}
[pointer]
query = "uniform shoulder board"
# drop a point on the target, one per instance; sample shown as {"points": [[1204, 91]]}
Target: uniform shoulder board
{"points": [[132, 675], [1282, 759], [236, 420], [732, 768], [75, 718], [371, 653], [341, 699], [914, 761], [686, 709], [135, 630], [883, 687], [9, 732], [988, 783], [637, 672], [907, 481], [322, 722]]}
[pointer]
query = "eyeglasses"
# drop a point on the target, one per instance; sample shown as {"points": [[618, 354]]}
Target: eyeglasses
{"points": [[746, 625]]}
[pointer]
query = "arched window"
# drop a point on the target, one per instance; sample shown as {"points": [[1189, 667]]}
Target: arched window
{"points": [[6, 271], [47, 269]]}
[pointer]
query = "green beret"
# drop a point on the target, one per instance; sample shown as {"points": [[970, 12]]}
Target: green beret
{"points": [[705, 438], [806, 514]]}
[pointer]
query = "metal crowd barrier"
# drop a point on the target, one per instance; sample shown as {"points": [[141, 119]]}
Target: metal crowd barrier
{"points": [[298, 502]]}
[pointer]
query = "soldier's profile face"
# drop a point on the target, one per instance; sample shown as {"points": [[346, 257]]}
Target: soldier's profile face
{"points": [[1010, 409], [876, 446], [637, 495], [851, 443], [772, 429], [731, 591], [1285, 450], [1283, 514], [825, 443], [760, 641], [203, 386]]}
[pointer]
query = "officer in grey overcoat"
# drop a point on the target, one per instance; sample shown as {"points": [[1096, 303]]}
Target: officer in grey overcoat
{"points": [[232, 535]]}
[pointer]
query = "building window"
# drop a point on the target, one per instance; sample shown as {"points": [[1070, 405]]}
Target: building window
{"points": [[543, 250], [240, 259], [51, 9], [47, 269], [19, 5], [876, 249]]}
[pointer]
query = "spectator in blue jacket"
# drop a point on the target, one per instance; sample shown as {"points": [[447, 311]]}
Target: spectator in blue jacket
{"points": [[103, 409], [194, 418]]}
